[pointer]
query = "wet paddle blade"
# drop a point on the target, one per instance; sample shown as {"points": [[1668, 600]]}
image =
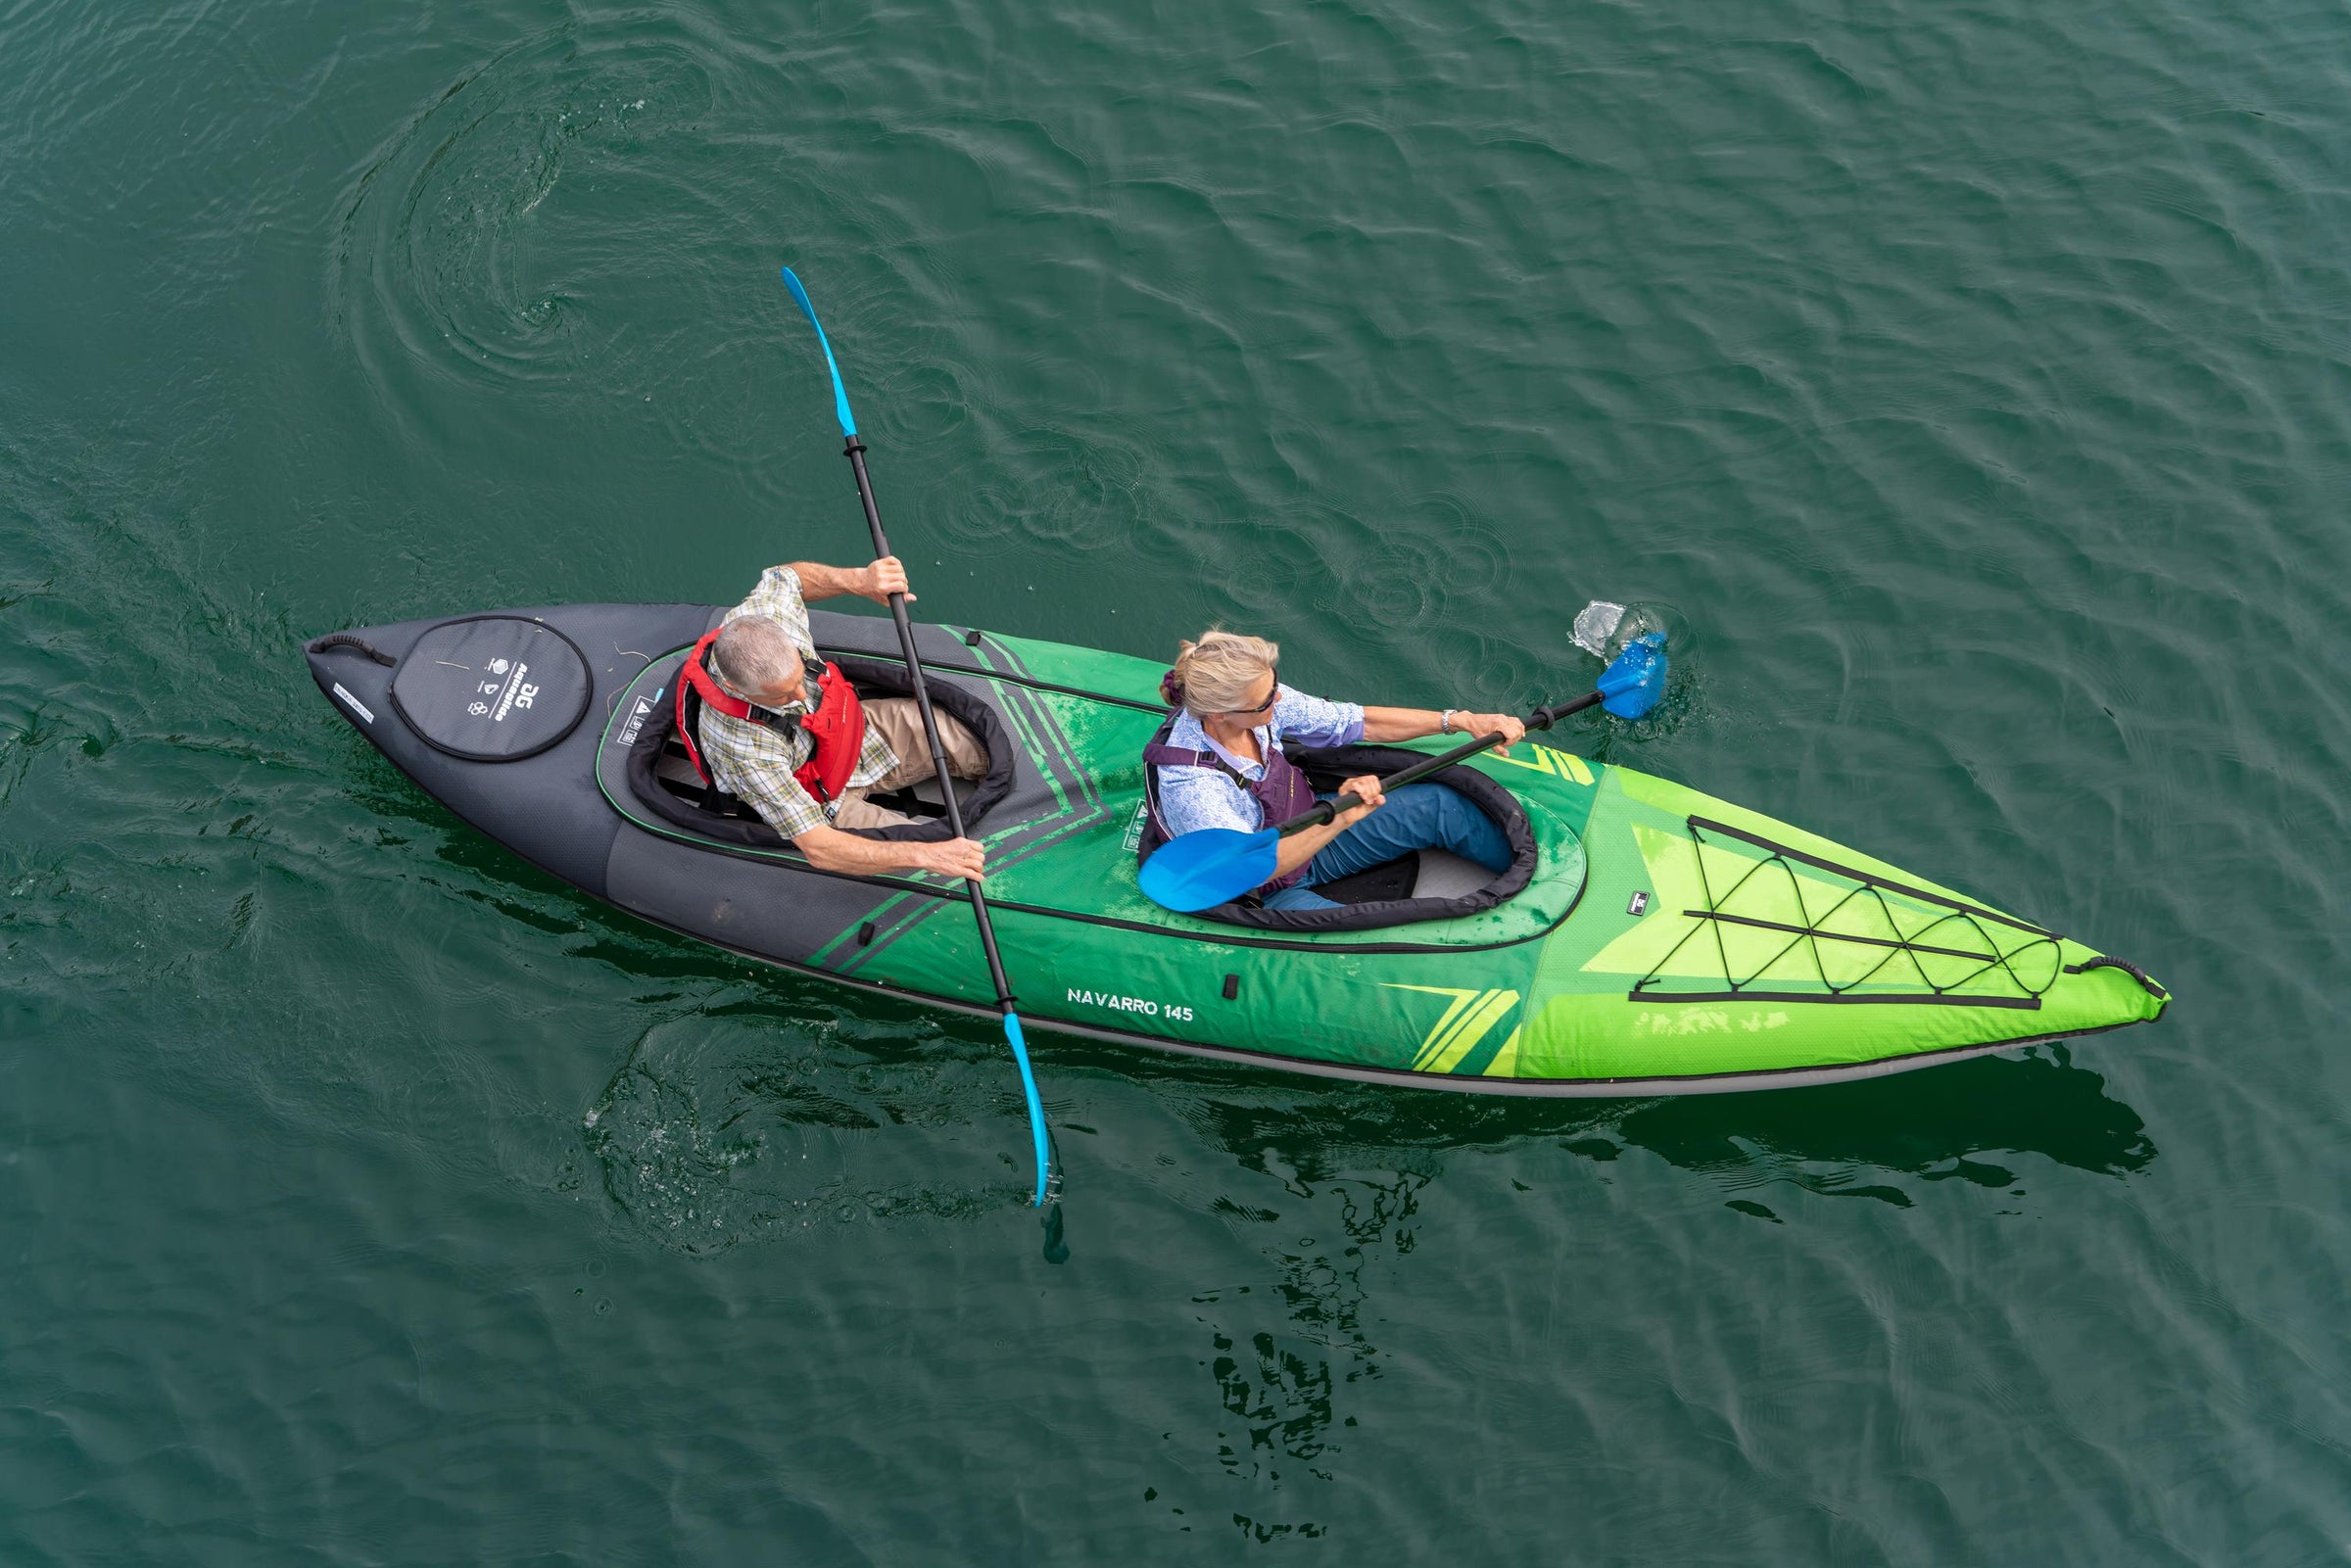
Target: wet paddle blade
{"points": [[841, 394], [1037, 1108], [1214, 866], [1636, 681]]}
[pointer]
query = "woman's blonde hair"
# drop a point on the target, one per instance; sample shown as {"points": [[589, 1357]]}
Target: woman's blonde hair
{"points": [[1218, 674]]}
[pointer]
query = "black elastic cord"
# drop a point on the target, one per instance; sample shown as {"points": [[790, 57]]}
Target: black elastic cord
{"points": [[1811, 934], [2126, 967], [344, 640]]}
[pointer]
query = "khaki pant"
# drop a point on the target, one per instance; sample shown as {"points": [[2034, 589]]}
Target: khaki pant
{"points": [[900, 722]]}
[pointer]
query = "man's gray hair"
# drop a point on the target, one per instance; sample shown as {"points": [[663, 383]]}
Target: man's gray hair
{"points": [[755, 654]]}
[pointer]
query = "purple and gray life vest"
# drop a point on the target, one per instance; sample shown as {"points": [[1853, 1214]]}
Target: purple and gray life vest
{"points": [[1281, 794]]}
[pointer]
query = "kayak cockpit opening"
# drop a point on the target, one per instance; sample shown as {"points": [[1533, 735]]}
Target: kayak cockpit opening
{"points": [[1427, 884]]}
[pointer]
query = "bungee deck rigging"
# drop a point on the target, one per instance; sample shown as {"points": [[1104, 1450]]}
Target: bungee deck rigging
{"points": [[1876, 928]]}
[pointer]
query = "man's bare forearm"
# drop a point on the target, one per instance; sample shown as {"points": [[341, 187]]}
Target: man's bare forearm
{"points": [[830, 849], [875, 581], [818, 580]]}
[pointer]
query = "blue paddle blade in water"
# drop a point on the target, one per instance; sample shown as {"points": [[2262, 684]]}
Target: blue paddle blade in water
{"points": [[1037, 1108], [1210, 867], [1636, 681]]}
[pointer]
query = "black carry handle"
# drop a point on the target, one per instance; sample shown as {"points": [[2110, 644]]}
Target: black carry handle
{"points": [[1324, 811]]}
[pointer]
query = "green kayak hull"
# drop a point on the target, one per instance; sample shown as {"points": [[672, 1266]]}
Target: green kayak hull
{"points": [[1669, 942]]}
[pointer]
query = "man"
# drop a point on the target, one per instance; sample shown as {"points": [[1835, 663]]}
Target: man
{"points": [[792, 737]]}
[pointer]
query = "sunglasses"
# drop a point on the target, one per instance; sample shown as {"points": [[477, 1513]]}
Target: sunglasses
{"points": [[1272, 697]]}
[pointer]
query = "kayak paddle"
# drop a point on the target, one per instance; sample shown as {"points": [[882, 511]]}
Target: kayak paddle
{"points": [[1213, 866], [939, 754]]}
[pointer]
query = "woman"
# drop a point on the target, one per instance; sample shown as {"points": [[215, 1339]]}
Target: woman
{"points": [[1218, 763]]}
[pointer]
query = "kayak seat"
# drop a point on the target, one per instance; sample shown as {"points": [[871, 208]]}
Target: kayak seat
{"points": [[1444, 874], [664, 780], [1394, 878], [1423, 874]]}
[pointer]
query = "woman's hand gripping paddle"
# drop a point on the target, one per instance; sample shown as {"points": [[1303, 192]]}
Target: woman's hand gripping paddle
{"points": [[939, 761], [1215, 866]]}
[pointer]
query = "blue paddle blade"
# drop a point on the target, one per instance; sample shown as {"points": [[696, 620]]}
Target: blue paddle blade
{"points": [[841, 394], [1037, 1110], [1636, 681], [1213, 866]]}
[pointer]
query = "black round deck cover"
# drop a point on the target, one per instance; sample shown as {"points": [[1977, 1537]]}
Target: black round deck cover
{"points": [[492, 687]]}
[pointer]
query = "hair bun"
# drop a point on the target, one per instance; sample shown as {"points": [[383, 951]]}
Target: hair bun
{"points": [[1171, 689]]}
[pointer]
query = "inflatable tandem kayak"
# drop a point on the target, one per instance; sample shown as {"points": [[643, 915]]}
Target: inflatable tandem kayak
{"points": [[1649, 939]]}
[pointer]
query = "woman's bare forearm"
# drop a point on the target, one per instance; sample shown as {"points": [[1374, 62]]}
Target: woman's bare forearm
{"points": [[1302, 846], [1400, 724], [1411, 724]]}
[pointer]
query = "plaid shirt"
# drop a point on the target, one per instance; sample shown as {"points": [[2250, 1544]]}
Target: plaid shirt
{"points": [[756, 761]]}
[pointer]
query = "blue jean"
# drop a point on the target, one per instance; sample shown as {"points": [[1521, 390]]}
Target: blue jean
{"points": [[1421, 816]]}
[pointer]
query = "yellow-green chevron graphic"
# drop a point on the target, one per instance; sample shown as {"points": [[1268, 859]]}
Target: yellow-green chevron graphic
{"points": [[1543, 759], [1468, 1021]]}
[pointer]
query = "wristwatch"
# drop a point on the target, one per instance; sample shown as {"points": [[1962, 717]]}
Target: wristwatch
{"points": [[1445, 722]]}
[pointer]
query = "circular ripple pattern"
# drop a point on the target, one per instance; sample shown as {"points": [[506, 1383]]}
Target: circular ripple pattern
{"points": [[518, 239], [464, 249]]}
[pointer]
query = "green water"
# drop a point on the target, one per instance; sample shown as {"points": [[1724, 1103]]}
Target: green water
{"points": [[1973, 378]]}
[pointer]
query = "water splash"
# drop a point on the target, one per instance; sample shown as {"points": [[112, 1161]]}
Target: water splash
{"points": [[723, 1128]]}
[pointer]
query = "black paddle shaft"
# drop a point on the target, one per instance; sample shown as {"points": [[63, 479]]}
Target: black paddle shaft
{"points": [[1325, 810], [922, 702]]}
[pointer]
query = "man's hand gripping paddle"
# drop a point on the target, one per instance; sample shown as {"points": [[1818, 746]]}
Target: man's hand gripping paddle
{"points": [[938, 760], [1215, 866]]}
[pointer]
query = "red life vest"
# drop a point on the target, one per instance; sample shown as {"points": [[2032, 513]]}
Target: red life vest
{"points": [[836, 723]]}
